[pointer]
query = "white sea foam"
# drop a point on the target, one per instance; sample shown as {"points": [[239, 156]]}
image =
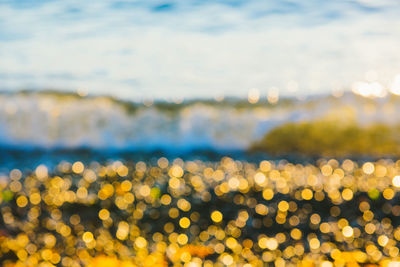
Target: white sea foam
{"points": [[53, 120]]}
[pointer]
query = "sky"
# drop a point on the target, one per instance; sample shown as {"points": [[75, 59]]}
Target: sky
{"points": [[197, 49]]}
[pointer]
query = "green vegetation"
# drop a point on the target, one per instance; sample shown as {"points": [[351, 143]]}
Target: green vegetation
{"points": [[331, 138]]}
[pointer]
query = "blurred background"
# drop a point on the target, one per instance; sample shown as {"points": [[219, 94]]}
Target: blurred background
{"points": [[200, 133], [177, 50], [177, 77], [192, 75]]}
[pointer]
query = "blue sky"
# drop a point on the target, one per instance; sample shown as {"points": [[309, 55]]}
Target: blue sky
{"points": [[193, 48]]}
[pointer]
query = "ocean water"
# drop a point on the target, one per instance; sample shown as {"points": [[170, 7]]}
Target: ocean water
{"points": [[167, 49], [49, 126]]}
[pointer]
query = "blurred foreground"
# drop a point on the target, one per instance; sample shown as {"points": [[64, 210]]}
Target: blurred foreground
{"points": [[193, 213]]}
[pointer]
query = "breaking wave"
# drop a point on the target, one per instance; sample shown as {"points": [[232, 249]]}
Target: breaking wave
{"points": [[63, 120]]}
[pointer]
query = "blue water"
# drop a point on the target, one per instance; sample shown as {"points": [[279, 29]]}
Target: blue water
{"points": [[48, 127], [172, 49]]}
